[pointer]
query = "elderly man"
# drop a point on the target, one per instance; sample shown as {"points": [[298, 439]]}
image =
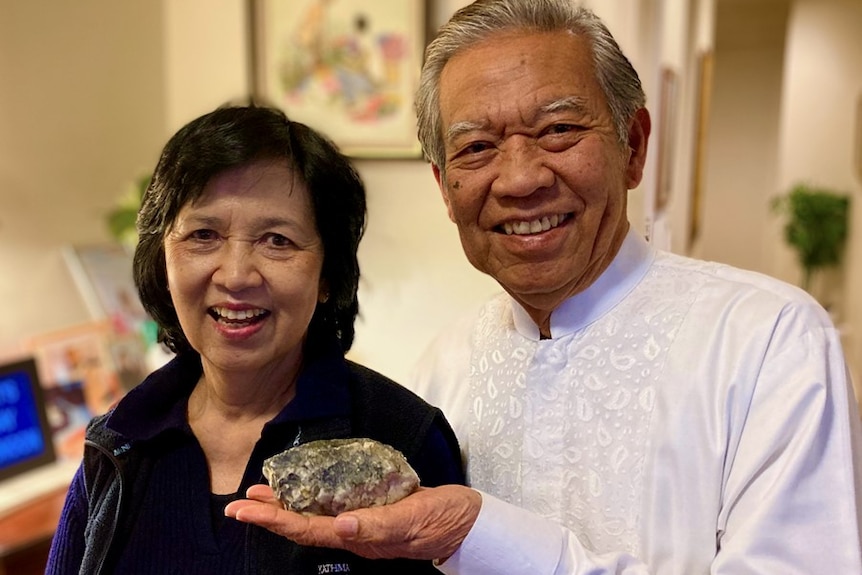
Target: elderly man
{"points": [[620, 409]]}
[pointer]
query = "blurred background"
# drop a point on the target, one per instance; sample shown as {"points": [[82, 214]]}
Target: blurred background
{"points": [[750, 99]]}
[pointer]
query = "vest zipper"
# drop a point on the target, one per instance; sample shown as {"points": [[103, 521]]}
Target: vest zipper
{"points": [[103, 553]]}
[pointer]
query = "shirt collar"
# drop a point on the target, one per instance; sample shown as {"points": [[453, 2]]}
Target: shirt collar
{"points": [[159, 403], [625, 271]]}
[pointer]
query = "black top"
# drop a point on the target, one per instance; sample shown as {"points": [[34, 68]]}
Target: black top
{"points": [[173, 524]]}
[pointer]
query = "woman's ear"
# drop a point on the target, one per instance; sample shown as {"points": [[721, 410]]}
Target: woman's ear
{"points": [[323, 291]]}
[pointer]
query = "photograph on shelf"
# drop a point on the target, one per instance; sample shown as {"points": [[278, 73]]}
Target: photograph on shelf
{"points": [[348, 68], [103, 276], [79, 380]]}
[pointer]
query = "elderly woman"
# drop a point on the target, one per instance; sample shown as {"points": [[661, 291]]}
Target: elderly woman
{"points": [[247, 261]]}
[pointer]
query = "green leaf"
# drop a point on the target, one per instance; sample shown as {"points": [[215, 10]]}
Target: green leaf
{"points": [[817, 225], [121, 221]]}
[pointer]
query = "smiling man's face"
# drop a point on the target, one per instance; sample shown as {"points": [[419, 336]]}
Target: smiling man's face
{"points": [[535, 178]]}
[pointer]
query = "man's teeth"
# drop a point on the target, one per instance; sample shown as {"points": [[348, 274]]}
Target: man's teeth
{"points": [[238, 315], [534, 226]]}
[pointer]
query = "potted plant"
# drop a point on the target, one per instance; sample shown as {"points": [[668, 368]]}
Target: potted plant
{"points": [[816, 227], [122, 219]]}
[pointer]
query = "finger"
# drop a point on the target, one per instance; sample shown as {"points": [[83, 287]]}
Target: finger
{"points": [[231, 508], [346, 526], [370, 535], [309, 531], [369, 526], [429, 524], [250, 511], [378, 524], [264, 493]]}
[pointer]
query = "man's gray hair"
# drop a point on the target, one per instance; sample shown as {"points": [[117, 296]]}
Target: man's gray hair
{"points": [[484, 18]]}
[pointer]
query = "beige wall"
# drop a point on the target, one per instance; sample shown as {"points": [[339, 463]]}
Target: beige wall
{"points": [[822, 85], [165, 63], [81, 112], [787, 78], [206, 61], [92, 93], [89, 92], [743, 133], [415, 278]]}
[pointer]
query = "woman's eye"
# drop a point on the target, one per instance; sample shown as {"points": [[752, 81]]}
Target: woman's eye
{"points": [[277, 240]]}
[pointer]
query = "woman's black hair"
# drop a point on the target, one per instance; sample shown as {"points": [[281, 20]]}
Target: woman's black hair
{"points": [[233, 136]]}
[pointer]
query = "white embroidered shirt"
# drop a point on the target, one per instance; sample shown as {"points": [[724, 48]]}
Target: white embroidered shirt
{"points": [[684, 418]]}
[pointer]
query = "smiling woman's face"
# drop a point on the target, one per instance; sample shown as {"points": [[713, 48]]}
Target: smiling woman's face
{"points": [[243, 266]]}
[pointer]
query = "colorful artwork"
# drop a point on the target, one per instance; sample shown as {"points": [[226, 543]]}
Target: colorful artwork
{"points": [[348, 68]]}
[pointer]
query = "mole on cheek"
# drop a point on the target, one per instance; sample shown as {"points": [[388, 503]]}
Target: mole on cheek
{"points": [[456, 185]]}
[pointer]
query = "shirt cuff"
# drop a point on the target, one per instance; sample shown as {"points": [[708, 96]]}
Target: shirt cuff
{"points": [[506, 539]]}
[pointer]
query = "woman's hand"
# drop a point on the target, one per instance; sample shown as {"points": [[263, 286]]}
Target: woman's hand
{"points": [[428, 524]]}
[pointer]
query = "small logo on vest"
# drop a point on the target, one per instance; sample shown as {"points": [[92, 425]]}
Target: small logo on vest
{"points": [[325, 568]]}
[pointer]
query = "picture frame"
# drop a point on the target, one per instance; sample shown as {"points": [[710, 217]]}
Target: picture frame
{"points": [[26, 438], [103, 275], [347, 68], [698, 174], [666, 137], [858, 150], [79, 380]]}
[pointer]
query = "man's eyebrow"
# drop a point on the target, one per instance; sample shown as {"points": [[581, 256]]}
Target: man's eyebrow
{"points": [[461, 128], [575, 104], [567, 104]]}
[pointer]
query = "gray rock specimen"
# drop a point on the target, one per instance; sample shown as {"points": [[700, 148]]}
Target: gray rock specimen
{"points": [[328, 477]]}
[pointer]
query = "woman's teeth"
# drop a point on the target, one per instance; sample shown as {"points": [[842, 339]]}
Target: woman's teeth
{"points": [[535, 226], [237, 315]]}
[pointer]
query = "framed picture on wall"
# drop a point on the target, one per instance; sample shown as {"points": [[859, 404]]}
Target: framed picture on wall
{"points": [[666, 129], [704, 92], [858, 154], [348, 68]]}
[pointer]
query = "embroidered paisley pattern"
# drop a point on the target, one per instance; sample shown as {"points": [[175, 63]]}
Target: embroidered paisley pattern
{"points": [[557, 424]]}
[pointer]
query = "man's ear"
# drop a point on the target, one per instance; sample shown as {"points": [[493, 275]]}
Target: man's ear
{"points": [[444, 191], [639, 131]]}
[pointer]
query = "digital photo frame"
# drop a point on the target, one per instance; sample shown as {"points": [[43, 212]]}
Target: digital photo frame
{"points": [[26, 439]]}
